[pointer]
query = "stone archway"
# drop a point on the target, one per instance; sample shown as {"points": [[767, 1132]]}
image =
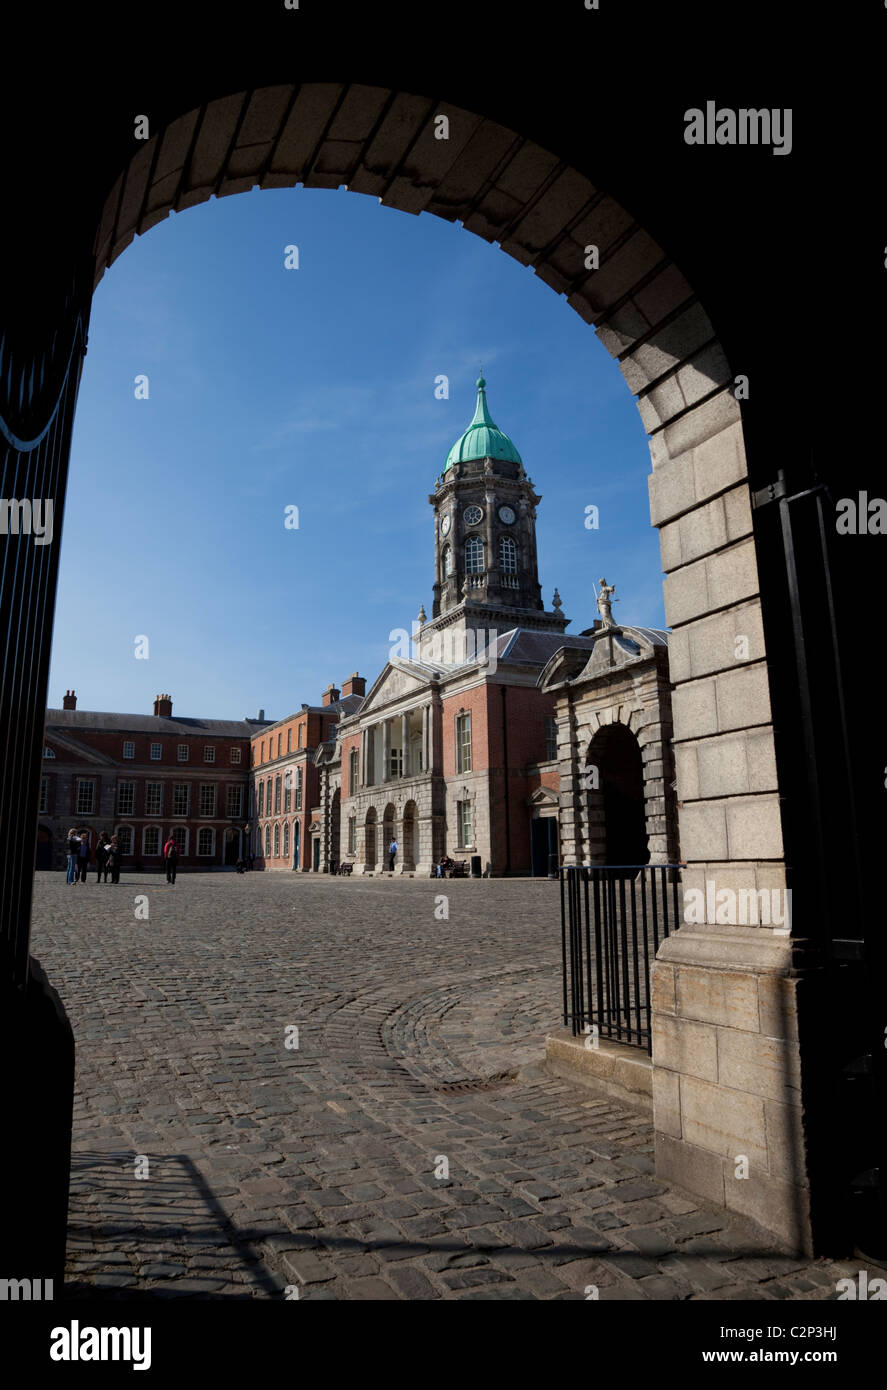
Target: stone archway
{"points": [[545, 213], [408, 838], [616, 813], [370, 841], [389, 828]]}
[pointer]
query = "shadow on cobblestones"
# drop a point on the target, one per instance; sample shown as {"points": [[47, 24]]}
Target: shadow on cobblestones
{"points": [[169, 1227]]}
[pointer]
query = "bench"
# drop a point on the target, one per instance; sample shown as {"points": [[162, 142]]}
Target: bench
{"points": [[458, 869], [345, 867]]}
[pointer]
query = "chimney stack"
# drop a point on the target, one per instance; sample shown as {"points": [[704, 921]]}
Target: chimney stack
{"points": [[163, 706], [261, 716], [355, 685], [70, 700], [329, 695]]}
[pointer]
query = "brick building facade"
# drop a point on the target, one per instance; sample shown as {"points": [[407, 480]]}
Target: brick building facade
{"points": [[143, 777], [285, 782]]}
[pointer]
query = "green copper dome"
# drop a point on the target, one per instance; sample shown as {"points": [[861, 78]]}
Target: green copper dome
{"points": [[482, 439]]}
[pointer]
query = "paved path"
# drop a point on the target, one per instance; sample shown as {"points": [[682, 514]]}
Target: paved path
{"points": [[318, 1167]]}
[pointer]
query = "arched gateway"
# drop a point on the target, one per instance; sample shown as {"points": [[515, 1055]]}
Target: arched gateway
{"points": [[546, 211]]}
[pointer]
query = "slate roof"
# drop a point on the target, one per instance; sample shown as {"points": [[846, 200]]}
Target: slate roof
{"points": [[99, 721]]}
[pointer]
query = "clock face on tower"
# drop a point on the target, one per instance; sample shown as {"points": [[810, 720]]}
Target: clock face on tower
{"points": [[472, 515], [507, 515], [445, 526]]}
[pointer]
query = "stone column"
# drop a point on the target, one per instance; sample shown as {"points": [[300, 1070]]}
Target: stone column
{"points": [[362, 779], [386, 750], [405, 744], [431, 758], [425, 762]]}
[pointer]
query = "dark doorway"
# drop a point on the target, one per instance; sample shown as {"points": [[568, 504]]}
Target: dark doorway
{"points": [[315, 856], [232, 846], [44, 848], [616, 805], [543, 842]]}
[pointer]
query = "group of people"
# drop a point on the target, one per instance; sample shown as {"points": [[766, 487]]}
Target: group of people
{"points": [[107, 857]]}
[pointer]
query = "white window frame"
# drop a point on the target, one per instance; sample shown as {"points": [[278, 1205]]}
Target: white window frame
{"points": [[463, 742], [129, 748], [463, 824], [277, 839], [447, 561], [151, 853], [156, 752], [80, 810], [201, 839], [129, 808], [209, 753], [181, 835], [286, 839], [234, 802], [187, 789], [261, 801], [298, 796], [155, 810], [235, 755], [204, 787], [183, 753], [47, 752], [267, 842]]}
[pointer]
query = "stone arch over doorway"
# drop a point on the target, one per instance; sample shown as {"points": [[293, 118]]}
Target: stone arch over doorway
{"points": [[408, 838], [389, 831], [615, 807], [545, 213], [370, 841]]}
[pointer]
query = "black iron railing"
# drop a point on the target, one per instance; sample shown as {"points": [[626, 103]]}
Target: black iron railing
{"points": [[613, 918]]}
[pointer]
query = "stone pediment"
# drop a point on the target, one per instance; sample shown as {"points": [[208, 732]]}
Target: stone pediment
{"points": [[397, 681], [542, 797], [614, 647], [71, 750]]}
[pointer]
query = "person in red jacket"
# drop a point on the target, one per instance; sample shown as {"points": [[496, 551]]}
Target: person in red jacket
{"points": [[171, 859]]}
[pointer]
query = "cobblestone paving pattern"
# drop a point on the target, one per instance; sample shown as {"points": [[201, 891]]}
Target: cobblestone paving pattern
{"points": [[314, 1166]]}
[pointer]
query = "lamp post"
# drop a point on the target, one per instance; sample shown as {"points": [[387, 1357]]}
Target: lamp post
{"points": [[246, 832]]}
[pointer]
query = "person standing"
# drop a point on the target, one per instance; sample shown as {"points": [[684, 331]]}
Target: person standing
{"points": [[112, 860], [171, 858], [392, 852], [101, 856], [72, 849], [83, 856]]}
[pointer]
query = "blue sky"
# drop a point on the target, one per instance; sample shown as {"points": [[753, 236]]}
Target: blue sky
{"points": [[314, 387]]}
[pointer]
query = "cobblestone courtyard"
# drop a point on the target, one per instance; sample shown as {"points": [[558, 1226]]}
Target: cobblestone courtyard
{"points": [[315, 1166]]}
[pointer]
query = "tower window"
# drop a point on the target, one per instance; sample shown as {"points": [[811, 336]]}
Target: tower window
{"points": [[507, 555], [447, 562], [474, 555]]}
